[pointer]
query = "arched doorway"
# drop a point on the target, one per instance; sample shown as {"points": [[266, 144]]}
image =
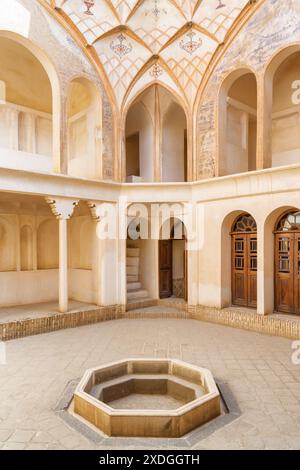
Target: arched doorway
{"points": [[287, 263], [173, 261], [244, 261], [156, 138]]}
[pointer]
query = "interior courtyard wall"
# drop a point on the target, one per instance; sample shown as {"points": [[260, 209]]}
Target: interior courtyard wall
{"points": [[272, 27]]}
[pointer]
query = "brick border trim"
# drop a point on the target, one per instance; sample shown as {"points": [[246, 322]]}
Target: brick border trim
{"points": [[231, 317]]}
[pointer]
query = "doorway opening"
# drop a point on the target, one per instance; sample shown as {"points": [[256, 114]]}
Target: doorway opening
{"points": [[287, 263], [244, 261], [173, 261]]}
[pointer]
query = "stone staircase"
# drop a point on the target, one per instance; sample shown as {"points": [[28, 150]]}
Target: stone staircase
{"points": [[136, 294]]}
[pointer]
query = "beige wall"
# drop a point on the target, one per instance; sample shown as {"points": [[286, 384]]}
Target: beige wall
{"points": [[139, 121]]}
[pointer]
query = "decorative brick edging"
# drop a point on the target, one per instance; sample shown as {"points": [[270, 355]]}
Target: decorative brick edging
{"points": [[141, 304], [247, 321], [59, 321], [244, 319], [134, 314]]}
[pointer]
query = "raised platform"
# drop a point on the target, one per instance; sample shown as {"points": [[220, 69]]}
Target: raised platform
{"points": [[34, 319], [27, 320]]}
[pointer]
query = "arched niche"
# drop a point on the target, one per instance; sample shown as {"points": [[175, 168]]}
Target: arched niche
{"points": [[156, 137], [82, 241], [174, 144], [237, 123], [84, 129], [26, 248], [7, 246], [48, 244], [282, 101], [139, 136], [30, 104]]}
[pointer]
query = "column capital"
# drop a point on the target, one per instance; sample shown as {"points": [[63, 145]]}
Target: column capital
{"points": [[61, 207], [94, 209], [98, 209]]}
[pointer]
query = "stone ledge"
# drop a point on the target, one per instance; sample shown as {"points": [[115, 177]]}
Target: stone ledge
{"points": [[246, 320], [235, 318], [59, 321]]}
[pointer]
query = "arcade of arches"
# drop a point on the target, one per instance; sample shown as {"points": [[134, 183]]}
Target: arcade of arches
{"points": [[93, 126]]}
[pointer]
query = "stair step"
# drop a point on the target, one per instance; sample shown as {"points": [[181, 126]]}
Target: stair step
{"points": [[135, 252], [133, 261], [137, 294], [132, 278], [133, 270], [133, 286], [140, 303]]}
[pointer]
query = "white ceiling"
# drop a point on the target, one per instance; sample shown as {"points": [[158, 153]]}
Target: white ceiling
{"points": [[147, 41]]}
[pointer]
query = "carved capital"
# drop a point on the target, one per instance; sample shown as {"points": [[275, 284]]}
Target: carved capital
{"points": [[94, 209], [62, 208]]}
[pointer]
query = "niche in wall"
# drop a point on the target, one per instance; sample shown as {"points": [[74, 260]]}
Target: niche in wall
{"points": [[7, 246], [48, 245], [26, 247], [84, 129], [237, 123], [285, 113]]}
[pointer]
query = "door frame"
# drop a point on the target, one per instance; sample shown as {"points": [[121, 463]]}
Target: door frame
{"points": [[185, 267], [294, 304], [246, 272]]}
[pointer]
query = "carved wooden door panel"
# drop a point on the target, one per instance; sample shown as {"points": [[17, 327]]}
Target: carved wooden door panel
{"points": [[296, 253], [165, 269], [285, 266], [252, 269], [239, 269], [244, 269]]}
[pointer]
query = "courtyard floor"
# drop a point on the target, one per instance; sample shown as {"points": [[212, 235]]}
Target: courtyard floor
{"points": [[257, 368]]}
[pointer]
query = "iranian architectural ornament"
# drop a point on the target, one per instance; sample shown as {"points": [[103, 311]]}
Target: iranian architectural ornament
{"points": [[122, 47], [155, 11], [89, 4], [190, 44], [220, 5], [156, 71]]}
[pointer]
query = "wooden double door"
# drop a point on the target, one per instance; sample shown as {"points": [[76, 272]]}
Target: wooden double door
{"points": [[244, 269], [287, 272]]}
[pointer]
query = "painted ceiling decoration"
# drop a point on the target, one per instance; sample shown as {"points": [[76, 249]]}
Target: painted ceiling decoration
{"points": [[143, 41]]}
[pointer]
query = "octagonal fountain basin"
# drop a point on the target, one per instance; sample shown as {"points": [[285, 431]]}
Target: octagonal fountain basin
{"points": [[147, 398]]}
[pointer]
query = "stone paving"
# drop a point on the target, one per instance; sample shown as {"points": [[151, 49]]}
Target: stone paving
{"points": [[257, 368]]}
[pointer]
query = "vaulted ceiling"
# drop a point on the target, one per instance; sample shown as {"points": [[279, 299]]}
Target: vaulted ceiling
{"points": [[140, 42]]}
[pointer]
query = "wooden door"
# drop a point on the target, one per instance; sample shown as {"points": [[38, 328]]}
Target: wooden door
{"points": [[244, 269], [185, 271], [165, 269], [252, 270], [286, 268], [296, 253]]}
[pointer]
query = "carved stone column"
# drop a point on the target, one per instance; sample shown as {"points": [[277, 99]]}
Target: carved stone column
{"points": [[63, 209]]}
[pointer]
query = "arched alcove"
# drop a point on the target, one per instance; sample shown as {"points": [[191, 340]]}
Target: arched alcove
{"points": [[48, 245], [139, 143], [237, 123], [286, 110], [84, 129], [174, 144], [156, 138], [7, 246], [26, 248], [26, 122]]}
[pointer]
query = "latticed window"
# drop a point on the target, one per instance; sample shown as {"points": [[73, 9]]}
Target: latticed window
{"points": [[245, 223], [289, 222]]}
